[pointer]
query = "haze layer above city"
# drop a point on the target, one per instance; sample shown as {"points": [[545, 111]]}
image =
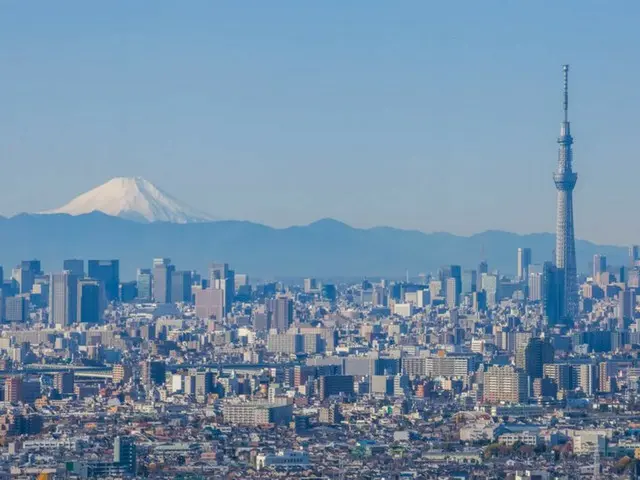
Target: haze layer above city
{"points": [[425, 116]]}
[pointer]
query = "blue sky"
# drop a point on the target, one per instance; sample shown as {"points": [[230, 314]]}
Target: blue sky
{"points": [[437, 116]]}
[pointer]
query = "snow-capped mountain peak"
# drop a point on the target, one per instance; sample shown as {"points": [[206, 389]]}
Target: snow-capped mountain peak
{"points": [[133, 198]]}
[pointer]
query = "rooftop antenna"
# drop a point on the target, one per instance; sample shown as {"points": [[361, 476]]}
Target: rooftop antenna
{"points": [[565, 103]]}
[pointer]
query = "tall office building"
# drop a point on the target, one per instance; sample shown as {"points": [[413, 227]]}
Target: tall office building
{"points": [[634, 255], [25, 273], [221, 277], [63, 298], [335, 385], [210, 303], [469, 282], [204, 382], [181, 286], [599, 265], [89, 301], [108, 273], [162, 276], [452, 292], [565, 180], [124, 452], [626, 305], [454, 272], [524, 260], [144, 280], [491, 287], [75, 266], [479, 301], [16, 309], [281, 309]]}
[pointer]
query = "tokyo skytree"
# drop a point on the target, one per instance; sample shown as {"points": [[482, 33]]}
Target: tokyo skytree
{"points": [[565, 179]]}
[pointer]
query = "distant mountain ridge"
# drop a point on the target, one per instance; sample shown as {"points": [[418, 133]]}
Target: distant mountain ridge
{"points": [[326, 248]]}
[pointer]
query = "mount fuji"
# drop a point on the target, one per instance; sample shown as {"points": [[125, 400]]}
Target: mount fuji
{"points": [[133, 198]]}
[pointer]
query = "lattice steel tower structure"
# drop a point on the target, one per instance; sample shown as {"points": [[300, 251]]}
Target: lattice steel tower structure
{"points": [[565, 179]]}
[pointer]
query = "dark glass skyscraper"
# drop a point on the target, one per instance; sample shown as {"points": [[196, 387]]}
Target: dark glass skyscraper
{"points": [[75, 266], [89, 301], [108, 273]]}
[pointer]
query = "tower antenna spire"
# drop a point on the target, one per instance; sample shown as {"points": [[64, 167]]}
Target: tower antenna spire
{"points": [[565, 69], [565, 179]]}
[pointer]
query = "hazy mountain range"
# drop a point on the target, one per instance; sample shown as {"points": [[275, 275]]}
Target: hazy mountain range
{"points": [[326, 248], [131, 219]]}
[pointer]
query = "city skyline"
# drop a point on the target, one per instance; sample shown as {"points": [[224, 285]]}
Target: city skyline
{"points": [[293, 256], [387, 96]]}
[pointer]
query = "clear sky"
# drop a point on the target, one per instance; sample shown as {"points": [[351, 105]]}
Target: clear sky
{"points": [[437, 116]]}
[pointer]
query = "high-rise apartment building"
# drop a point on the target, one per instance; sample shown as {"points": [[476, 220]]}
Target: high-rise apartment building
{"points": [[63, 382], [560, 373], [124, 452], [535, 285], [121, 373], [63, 298], [13, 389], [505, 384], [585, 377], [153, 372], [108, 273]]}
